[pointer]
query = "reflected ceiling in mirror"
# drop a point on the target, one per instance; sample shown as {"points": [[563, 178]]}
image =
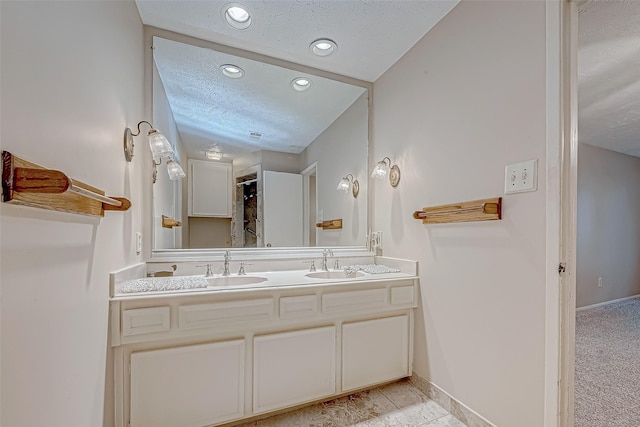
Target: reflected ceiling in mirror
{"points": [[265, 120], [261, 110]]}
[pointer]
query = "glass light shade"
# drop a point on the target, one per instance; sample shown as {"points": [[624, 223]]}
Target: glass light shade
{"points": [[160, 146], [175, 170], [381, 170], [344, 185]]}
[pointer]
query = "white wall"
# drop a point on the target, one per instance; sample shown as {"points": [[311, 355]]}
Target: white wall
{"points": [[342, 149], [464, 102], [72, 80], [608, 227], [167, 194]]}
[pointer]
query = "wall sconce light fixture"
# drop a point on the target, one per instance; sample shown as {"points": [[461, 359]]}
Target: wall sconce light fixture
{"points": [[347, 183], [160, 147], [384, 168]]}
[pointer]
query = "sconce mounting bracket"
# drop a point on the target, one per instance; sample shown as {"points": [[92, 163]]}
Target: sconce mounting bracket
{"points": [[128, 145]]}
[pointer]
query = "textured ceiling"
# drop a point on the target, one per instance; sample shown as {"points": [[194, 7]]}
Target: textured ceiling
{"points": [[609, 75], [210, 109], [371, 34]]}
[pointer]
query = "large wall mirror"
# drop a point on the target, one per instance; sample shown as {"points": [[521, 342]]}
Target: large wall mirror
{"points": [[264, 146]]}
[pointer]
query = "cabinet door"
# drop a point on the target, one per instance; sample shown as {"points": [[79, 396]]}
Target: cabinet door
{"points": [[209, 189], [293, 367], [189, 386], [374, 351]]}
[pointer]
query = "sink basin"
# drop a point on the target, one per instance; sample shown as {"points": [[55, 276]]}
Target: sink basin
{"points": [[335, 274], [234, 280]]}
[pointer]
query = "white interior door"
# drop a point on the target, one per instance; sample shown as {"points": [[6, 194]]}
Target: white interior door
{"points": [[282, 220]]}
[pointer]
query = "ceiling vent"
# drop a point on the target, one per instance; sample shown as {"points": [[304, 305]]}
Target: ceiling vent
{"points": [[255, 135]]}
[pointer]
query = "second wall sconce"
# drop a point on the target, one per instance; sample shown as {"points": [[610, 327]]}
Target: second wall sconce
{"points": [[160, 147], [384, 168], [348, 182]]}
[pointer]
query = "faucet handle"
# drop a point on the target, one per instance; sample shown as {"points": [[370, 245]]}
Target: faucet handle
{"points": [[241, 271], [227, 255], [312, 265], [336, 265], [209, 272]]}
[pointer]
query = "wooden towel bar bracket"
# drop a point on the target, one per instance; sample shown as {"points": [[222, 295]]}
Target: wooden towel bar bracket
{"points": [[29, 184], [330, 224], [477, 210]]}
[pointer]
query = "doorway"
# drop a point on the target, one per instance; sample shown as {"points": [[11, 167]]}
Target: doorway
{"points": [[309, 200]]}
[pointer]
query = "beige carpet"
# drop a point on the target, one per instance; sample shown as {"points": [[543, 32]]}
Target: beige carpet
{"points": [[607, 380]]}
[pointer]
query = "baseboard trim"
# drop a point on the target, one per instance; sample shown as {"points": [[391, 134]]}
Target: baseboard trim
{"points": [[459, 410], [601, 304]]}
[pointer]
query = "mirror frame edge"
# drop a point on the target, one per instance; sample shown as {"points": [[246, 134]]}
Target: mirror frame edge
{"points": [[151, 255]]}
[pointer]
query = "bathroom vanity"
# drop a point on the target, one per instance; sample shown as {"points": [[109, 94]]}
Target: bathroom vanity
{"points": [[233, 351]]}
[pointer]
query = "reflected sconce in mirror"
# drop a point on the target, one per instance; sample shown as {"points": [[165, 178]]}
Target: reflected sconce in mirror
{"points": [[348, 182], [384, 168], [160, 147]]}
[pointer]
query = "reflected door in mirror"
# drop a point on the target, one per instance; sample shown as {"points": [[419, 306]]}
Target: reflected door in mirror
{"points": [[282, 209]]}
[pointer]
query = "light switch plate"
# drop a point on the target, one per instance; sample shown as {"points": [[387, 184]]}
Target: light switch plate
{"points": [[521, 177], [138, 243]]}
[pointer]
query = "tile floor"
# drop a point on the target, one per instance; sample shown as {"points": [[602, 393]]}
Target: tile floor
{"points": [[395, 405]]}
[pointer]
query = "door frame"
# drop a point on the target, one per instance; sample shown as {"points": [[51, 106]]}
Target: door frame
{"points": [[561, 209], [311, 170]]}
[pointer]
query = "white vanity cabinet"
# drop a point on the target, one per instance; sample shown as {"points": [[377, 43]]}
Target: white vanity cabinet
{"points": [[212, 357], [293, 367], [374, 351], [210, 189], [188, 386]]}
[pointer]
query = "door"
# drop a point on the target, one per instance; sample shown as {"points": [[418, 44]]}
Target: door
{"points": [[189, 386], [282, 206], [374, 351], [293, 367]]}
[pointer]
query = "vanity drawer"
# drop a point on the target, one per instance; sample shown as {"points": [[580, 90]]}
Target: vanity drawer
{"points": [[402, 295], [302, 306], [138, 321], [210, 315], [354, 300]]}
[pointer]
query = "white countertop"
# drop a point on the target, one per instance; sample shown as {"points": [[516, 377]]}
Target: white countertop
{"points": [[273, 279]]}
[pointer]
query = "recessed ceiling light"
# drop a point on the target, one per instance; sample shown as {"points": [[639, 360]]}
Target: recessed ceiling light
{"points": [[301, 84], [323, 47], [232, 71], [237, 16]]}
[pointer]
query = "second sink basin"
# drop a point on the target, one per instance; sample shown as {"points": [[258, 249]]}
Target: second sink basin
{"points": [[234, 280], [335, 274]]}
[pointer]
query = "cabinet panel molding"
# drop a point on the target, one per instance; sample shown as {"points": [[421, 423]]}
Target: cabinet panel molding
{"points": [[188, 386], [216, 314], [374, 351], [354, 300], [210, 189], [145, 320], [293, 367]]}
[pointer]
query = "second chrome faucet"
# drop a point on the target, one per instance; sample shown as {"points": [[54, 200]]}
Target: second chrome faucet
{"points": [[227, 258]]}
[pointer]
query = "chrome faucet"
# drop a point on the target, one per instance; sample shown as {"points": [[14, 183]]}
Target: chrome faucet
{"points": [[227, 258], [325, 253]]}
